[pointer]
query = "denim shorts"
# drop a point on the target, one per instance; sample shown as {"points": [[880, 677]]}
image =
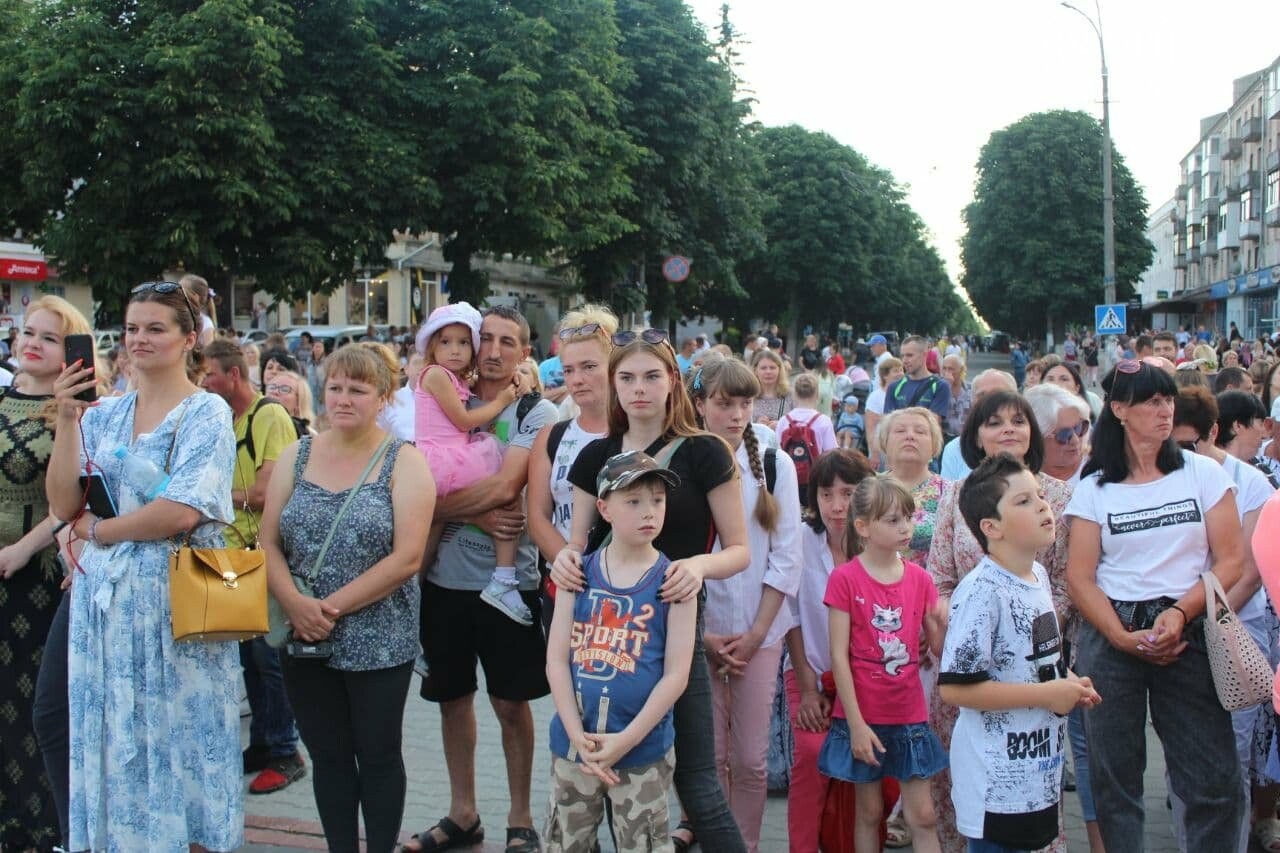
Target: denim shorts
{"points": [[912, 751]]}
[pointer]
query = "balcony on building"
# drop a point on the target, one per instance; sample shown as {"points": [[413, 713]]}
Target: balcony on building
{"points": [[1273, 160], [1195, 214], [1211, 165], [1193, 255], [1211, 206], [1251, 130], [1273, 217], [1250, 229], [1209, 248], [1228, 238], [1231, 148], [1193, 177], [1230, 191], [1249, 179], [1180, 192]]}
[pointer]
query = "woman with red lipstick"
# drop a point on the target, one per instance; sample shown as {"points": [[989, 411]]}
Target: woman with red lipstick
{"points": [[1000, 422], [650, 410], [30, 578]]}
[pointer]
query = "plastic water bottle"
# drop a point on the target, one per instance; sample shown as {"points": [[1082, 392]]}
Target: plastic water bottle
{"points": [[143, 474]]}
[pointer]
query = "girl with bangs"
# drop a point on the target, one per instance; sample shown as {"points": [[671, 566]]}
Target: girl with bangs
{"points": [[650, 410], [745, 625], [585, 341]]}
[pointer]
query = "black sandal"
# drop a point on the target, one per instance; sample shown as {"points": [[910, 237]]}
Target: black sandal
{"points": [[522, 839], [454, 836], [680, 844]]}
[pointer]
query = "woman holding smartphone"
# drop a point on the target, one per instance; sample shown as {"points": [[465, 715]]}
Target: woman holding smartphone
{"points": [[155, 725]]}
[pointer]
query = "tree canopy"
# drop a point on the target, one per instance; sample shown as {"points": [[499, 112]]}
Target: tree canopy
{"points": [[1033, 249]]}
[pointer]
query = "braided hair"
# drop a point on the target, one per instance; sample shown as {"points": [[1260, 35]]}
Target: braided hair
{"points": [[728, 377]]}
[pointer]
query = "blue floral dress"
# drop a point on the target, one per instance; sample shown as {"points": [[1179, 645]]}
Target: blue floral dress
{"points": [[155, 728]]}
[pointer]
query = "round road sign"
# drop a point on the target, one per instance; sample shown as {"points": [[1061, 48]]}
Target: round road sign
{"points": [[675, 268]]}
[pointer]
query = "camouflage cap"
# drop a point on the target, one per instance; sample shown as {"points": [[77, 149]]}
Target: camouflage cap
{"points": [[626, 468]]}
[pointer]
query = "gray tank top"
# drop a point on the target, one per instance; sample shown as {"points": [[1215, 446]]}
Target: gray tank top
{"points": [[384, 634]]}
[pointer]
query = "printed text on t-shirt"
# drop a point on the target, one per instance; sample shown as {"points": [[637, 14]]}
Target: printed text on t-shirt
{"points": [[1167, 515]]}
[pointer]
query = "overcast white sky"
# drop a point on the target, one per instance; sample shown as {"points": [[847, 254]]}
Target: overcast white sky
{"points": [[918, 87]]}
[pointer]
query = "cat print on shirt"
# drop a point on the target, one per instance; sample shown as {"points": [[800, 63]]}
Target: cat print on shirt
{"points": [[888, 621]]}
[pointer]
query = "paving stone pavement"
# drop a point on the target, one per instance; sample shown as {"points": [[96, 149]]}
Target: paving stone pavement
{"points": [[286, 820]]}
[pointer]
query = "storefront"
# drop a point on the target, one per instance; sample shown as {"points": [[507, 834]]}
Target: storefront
{"points": [[25, 276]]}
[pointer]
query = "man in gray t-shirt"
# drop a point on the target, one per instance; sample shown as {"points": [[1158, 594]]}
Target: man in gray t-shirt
{"points": [[458, 629]]}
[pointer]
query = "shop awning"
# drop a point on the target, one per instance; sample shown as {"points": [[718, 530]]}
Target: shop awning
{"points": [[23, 269]]}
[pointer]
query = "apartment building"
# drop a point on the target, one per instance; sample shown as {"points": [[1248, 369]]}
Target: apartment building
{"points": [[1225, 220]]}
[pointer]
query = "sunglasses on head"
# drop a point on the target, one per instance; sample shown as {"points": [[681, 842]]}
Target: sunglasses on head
{"points": [[649, 336], [579, 331], [169, 287], [1130, 366], [1063, 436]]}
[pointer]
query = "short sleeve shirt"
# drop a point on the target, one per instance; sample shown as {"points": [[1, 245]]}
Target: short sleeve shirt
{"points": [[884, 640], [900, 398], [702, 462], [465, 559], [1006, 766], [1154, 539], [273, 431]]}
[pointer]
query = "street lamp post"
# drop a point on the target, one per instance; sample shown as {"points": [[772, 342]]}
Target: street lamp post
{"points": [[1108, 194]]}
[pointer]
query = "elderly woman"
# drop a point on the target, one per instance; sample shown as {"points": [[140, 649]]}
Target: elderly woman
{"points": [[1000, 422], [1063, 418], [1147, 519], [349, 511], [953, 371], [910, 438], [1197, 426]]}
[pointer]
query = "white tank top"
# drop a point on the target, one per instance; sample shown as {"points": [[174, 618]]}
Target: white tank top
{"points": [[571, 443]]}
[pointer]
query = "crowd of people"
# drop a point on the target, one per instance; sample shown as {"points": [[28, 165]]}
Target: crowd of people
{"points": [[954, 582]]}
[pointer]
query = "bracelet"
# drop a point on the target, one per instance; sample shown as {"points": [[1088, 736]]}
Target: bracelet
{"points": [[58, 528], [1185, 617], [93, 533]]}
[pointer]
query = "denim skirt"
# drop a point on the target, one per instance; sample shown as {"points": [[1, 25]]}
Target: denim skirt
{"points": [[912, 751]]}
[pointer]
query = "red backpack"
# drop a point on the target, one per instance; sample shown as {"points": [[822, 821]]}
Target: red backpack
{"points": [[799, 442]]}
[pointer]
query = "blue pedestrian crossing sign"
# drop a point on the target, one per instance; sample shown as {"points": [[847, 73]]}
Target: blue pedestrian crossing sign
{"points": [[1110, 319]]}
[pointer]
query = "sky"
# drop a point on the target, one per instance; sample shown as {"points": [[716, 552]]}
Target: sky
{"points": [[917, 87]]}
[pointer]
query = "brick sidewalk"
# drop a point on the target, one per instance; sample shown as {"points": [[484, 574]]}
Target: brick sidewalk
{"points": [[287, 820]]}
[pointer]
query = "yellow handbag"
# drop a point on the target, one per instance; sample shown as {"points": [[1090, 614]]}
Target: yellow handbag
{"points": [[217, 594]]}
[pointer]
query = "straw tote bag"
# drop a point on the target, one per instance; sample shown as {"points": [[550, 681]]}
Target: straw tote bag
{"points": [[1241, 674]]}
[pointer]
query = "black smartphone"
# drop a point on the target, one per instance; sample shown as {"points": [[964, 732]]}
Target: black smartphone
{"points": [[99, 498], [300, 650], [80, 348]]}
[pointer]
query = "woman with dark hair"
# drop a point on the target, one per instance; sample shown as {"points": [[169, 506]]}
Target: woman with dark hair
{"points": [[276, 361], [155, 725], [1067, 375], [649, 409], [810, 690], [1147, 518], [1000, 422]]}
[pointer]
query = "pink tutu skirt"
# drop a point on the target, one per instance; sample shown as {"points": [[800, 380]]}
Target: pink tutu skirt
{"points": [[456, 466]]}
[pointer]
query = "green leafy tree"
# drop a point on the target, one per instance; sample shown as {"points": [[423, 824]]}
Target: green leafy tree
{"points": [[1033, 250], [517, 121], [694, 183], [842, 245]]}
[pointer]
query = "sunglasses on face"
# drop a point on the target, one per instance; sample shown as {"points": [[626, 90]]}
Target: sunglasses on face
{"points": [[579, 331], [169, 287], [649, 336], [1063, 436]]}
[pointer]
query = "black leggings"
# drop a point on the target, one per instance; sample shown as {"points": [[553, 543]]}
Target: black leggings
{"points": [[351, 723], [50, 717]]}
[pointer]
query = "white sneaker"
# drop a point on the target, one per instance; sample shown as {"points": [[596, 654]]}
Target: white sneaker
{"points": [[507, 599]]}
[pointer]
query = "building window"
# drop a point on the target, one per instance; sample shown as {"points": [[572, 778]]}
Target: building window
{"points": [[1247, 211], [1273, 190]]}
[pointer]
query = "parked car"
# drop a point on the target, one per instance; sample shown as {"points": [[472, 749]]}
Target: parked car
{"points": [[332, 336], [256, 336], [108, 339]]}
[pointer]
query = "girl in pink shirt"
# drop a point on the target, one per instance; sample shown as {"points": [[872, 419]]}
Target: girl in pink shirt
{"points": [[878, 606]]}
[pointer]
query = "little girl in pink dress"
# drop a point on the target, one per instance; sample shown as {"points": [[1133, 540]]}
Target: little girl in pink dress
{"points": [[451, 435]]}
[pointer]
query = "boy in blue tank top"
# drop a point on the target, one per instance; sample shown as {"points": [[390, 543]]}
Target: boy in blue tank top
{"points": [[618, 657]]}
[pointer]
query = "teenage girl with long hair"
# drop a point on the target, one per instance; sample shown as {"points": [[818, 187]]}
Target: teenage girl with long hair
{"points": [[650, 410]]}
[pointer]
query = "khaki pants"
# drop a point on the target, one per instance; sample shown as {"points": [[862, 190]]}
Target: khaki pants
{"points": [[641, 820]]}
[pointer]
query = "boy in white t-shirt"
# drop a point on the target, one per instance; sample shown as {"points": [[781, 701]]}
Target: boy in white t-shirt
{"points": [[1002, 663]]}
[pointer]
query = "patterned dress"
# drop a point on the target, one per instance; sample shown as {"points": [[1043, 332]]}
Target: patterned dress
{"points": [[155, 725], [28, 601], [953, 555], [926, 495]]}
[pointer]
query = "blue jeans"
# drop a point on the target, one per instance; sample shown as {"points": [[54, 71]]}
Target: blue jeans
{"points": [[1193, 728], [978, 845], [1080, 756], [272, 723], [696, 780]]}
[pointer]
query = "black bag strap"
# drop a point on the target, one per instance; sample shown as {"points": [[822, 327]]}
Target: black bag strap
{"points": [[247, 442], [558, 430]]}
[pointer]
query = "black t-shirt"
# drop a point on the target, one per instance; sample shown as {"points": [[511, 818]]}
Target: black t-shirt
{"points": [[810, 358], [703, 462]]}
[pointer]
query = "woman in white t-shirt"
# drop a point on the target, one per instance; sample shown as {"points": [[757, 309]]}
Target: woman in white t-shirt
{"points": [[586, 335], [1146, 520], [1200, 426]]}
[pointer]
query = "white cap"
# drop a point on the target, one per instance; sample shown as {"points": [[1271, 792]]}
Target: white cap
{"points": [[447, 315]]}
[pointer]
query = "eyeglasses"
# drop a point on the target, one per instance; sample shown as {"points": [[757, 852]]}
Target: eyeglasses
{"points": [[169, 287], [280, 389], [579, 331], [1130, 366], [1063, 436], [649, 336], [1189, 445]]}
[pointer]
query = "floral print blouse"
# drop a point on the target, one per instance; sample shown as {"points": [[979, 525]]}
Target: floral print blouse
{"points": [[926, 495]]}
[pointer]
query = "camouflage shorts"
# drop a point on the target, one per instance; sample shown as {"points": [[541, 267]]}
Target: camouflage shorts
{"points": [[641, 820]]}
